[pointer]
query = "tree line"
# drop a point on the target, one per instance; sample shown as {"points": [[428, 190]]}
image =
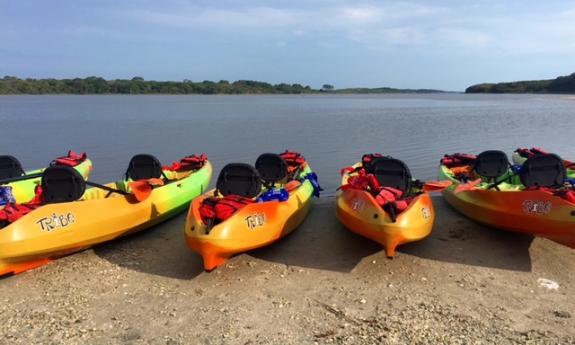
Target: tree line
{"points": [[564, 84], [138, 86]]}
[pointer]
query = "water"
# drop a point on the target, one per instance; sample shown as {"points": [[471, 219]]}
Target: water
{"points": [[331, 131]]}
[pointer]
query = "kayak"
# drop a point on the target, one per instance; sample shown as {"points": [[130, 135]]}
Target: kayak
{"points": [[361, 210], [72, 218], [24, 190], [533, 200], [266, 204]]}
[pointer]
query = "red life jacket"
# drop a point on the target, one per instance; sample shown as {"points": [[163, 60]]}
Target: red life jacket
{"points": [[192, 162], [71, 160], [11, 213], [215, 210], [362, 181], [294, 161], [457, 160], [528, 153]]}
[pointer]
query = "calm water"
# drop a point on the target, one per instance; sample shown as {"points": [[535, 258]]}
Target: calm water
{"points": [[331, 131]]}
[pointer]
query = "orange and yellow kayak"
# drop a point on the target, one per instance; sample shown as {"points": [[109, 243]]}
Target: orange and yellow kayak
{"points": [[513, 208], [256, 225], [58, 229], [359, 211]]}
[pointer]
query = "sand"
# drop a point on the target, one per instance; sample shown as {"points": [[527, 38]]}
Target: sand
{"points": [[465, 284]]}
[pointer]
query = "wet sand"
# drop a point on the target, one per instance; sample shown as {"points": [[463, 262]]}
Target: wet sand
{"points": [[465, 284]]}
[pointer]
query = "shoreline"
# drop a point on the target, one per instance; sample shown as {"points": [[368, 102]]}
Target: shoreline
{"points": [[321, 284]]}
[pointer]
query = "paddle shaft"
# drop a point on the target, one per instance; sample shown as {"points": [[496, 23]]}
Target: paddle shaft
{"points": [[109, 189], [19, 178]]}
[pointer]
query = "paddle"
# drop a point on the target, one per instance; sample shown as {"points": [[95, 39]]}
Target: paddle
{"points": [[435, 186], [109, 189], [468, 186], [143, 188], [292, 185], [19, 178]]}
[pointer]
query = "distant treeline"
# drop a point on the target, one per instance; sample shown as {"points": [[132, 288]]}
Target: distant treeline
{"points": [[138, 86], [564, 84]]}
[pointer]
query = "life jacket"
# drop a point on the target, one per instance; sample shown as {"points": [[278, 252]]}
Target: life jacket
{"points": [[457, 160], [12, 213], [216, 210], [362, 181], [391, 201], [192, 162], [71, 160], [528, 153], [366, 160], [294, 161]]}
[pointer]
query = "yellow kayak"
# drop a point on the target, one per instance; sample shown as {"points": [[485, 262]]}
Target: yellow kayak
{"points": [[73, 218]]}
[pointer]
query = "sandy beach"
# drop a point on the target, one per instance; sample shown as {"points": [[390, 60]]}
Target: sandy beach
{"points": [[465, 284]]}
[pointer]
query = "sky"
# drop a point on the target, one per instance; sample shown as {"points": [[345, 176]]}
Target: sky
{"points": [[446, 45]]}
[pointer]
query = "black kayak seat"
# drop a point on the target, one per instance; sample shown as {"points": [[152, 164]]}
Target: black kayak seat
{"points": [[143, 167], [491, 164], [391, 172], [239, 179], [10, 167], [62, 184], [545, 170], [271, 167]]}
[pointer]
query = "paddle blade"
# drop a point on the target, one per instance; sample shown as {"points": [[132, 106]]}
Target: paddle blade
{"points": [[435, 186], [292, 185], [465, 187], [143, 188]]}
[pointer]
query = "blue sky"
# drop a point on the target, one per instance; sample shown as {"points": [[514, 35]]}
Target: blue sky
{"points": [[409, 44]]}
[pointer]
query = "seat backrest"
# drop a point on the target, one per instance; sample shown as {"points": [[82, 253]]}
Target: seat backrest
{"points": [[143, 167], [10, 167], [391, 172], [271, 167], [543, 170], [62, 184], [239, 179], [491, 164]]}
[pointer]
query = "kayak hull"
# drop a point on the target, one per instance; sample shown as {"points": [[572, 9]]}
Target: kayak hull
{"points": [[253, 226], [358, 211], [532, 212], [56, 230]]}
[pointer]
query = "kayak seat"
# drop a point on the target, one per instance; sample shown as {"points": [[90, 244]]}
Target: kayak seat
{"points": [[10, 167], [543, 170], [143, 167], [62, 184], [272, 168], [239, 179], [491, 164], [391, 172]]}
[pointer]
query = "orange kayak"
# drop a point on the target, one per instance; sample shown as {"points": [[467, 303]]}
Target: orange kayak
{"points": [[359, 211], [256, 225], [513, 207]]}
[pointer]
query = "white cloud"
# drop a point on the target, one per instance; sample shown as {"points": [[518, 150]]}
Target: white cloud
{"points": [[395, 24]]}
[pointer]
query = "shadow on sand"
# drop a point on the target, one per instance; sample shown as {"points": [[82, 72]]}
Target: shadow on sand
{"points": [[457, 239], [321, 242], [160, 250]]}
